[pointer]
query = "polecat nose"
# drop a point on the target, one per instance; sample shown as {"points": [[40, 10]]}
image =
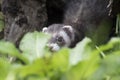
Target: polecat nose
{"points": [[53, 47], [50, 46]]}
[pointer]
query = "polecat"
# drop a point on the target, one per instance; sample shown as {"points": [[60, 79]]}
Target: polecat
{"points": [[81, 17]]}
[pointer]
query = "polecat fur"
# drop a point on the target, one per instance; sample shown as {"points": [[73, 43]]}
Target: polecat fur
{"points": [[81, 17]]}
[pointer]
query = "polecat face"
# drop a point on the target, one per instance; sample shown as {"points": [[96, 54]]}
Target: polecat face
{"points": [[61, 35]]}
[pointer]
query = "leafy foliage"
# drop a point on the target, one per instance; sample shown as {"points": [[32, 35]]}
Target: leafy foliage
{"points": [[34, 61], [33, 45]]}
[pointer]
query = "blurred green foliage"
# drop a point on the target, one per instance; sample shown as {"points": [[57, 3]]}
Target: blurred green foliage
{"points": [[34, 61]]}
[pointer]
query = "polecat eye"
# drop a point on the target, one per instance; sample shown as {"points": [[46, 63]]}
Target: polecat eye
{"points": [[60, 39]]}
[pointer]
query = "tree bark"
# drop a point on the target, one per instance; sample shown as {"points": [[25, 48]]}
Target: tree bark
{"points": [[22, 16]]}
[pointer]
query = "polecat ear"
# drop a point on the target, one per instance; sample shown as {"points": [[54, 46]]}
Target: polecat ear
{"points": [[44, 29], [68, 27]]}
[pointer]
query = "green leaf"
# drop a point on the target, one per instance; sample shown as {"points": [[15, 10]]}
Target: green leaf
{"points": [[4, 68], [83, 62], [112, 45], [109, 68], [10, 49], [50, 67], [85, 68], [61, 58], [81, 51], [33, 45]]}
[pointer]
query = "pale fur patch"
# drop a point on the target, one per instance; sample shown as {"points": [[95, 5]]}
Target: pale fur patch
{"points": [[66, 38], [69, 27], [54, 46], [44, 29], [71, 30]]}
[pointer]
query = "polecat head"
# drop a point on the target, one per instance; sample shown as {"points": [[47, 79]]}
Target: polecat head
{"points": [[61, 35]]}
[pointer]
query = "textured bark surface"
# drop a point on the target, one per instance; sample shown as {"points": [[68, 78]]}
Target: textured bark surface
{"points": [[1, 35], [23, 16]]}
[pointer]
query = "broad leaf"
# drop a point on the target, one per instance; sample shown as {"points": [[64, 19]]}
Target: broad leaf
{"points": [[33, 45]]}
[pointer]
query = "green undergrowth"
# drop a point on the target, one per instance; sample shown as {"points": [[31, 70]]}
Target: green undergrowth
{"points": [[35, 62]]}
